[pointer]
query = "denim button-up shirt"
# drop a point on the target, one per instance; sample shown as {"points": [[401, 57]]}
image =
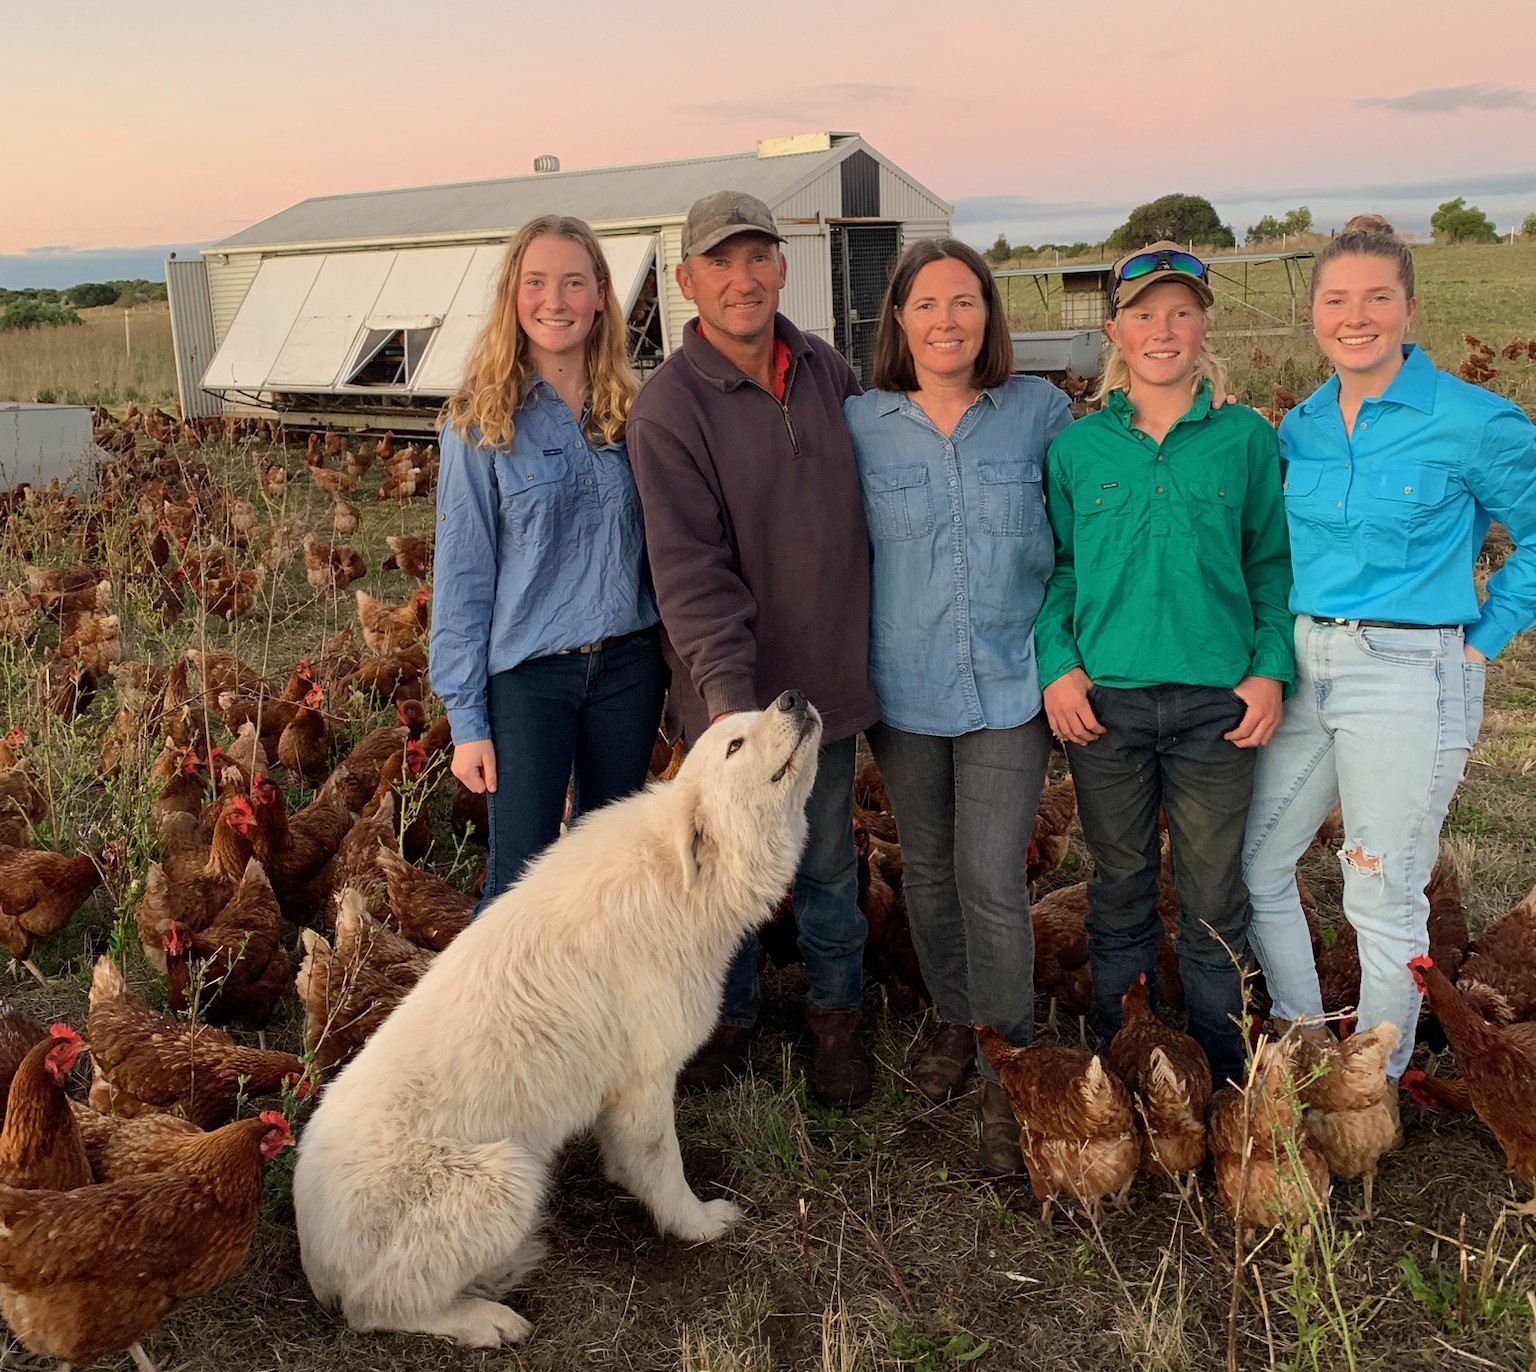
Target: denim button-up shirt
{"points": [[962, 554], [539, 549], [1386, 523]]}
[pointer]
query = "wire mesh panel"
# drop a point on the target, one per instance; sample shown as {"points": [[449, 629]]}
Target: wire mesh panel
{"points": [[862, 258]]}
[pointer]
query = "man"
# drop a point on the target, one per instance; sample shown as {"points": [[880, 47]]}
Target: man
{"points": [[755, 530]]}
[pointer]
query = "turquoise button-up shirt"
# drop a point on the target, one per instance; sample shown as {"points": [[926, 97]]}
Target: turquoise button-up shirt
{"points": [[1387, 523], [962, 553]]}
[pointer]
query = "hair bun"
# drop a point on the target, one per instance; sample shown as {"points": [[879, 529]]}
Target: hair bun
{"points": [[1369, 223]]}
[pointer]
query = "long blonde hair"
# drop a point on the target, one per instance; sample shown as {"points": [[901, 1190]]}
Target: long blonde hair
{"points": [[1115, 371], [498, 371]]}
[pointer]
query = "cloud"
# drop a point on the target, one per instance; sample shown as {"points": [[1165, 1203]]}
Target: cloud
{"points": [[809, 106], [1448, 99]]}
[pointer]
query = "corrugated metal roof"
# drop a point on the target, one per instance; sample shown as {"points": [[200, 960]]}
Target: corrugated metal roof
{"points": [[653, 190]]}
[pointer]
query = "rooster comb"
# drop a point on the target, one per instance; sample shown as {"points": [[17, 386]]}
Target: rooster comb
{"points": [[64, 1033], [277, 1120]]}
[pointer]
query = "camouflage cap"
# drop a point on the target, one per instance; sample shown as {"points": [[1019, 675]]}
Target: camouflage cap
{"points": [[724, 215]]}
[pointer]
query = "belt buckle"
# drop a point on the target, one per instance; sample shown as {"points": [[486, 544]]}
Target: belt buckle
{"points": [[595, 646]]}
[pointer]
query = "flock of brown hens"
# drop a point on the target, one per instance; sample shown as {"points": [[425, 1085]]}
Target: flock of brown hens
{"points": [[114, 1211]]}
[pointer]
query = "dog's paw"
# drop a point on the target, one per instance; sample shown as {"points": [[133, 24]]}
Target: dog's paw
{"points": [[710, 1221], [490, 1324]]}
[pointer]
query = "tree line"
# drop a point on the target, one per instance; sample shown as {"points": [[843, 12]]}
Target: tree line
{"points": [[1193, 219], [36, 307]]}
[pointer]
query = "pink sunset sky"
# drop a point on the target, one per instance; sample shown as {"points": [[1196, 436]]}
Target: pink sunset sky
{"points": [[159, 124]]}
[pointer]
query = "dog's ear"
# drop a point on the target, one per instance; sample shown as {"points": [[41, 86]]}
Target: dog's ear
{"points": [[689, 835]]}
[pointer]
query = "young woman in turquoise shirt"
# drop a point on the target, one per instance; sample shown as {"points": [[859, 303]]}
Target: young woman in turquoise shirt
{"points": [[1393, 470]]}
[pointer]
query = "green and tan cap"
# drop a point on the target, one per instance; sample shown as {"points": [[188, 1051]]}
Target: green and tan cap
{"points": [[1127, 291], [724, 215]]}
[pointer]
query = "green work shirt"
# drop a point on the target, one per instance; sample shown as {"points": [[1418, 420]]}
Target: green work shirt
{"points": [[1172, 559]]}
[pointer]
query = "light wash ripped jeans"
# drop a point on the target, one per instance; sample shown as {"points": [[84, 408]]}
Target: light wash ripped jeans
{"points": [[1382, 719]]}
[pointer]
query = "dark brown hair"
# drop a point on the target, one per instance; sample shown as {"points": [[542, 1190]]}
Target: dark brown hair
{"points": [[1367, 235], [894, 370]]}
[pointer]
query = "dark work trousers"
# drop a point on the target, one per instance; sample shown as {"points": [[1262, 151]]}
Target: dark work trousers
{"points": [[1163, 748], [594, 714], [966, 808]]}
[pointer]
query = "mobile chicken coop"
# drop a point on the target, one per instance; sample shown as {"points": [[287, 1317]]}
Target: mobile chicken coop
{"points": [[359, 310]]}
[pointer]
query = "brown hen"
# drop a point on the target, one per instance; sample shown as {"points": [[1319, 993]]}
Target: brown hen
{"points": [[147, 1062], [1267, 1170], [1077, 1129], [39, 894], [1499, 1076], [1169, 1077], [40, 1145], [348, 989], [1351, 1114], [89, 1272]]}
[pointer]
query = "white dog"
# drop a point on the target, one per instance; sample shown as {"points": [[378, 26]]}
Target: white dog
{"points": [[572, 1003]]}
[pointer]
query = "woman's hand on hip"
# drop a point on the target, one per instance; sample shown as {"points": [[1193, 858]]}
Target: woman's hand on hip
{"points": [[1066, 707], [1262, 695], [474, 764], [1475, 654]]}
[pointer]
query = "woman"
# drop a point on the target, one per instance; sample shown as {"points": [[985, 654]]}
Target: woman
{"points": [[544, 641], [1392, 471], [1165, 642], [950, 448]]}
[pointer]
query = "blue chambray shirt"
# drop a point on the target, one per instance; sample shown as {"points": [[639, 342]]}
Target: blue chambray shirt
{"points": [[962, 553], [1387, 523], [539, 549]]}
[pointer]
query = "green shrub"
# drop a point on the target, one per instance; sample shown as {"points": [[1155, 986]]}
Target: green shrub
{"points": [[35, 314]]}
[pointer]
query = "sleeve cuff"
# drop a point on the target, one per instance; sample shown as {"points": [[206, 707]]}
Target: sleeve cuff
{"points": [[1056, 671], [729, 693], [471, 725], [1488, 639]]}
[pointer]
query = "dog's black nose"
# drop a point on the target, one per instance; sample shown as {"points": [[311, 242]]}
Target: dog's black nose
{"points": [[792, 700]]}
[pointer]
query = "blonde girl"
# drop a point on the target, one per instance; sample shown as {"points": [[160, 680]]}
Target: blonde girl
{"points": [[544, 641]]}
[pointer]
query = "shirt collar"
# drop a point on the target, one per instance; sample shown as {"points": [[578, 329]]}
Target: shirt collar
{"points": [[891, 401], [1414, 385], [713, 365], [1118, 403]]}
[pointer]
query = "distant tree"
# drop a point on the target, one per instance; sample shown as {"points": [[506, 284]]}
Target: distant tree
{"points": [[35, 314], [1182, 218], [89, 294], [1458, 222], [1528, 228], [1264, 230], [999, 252], [1297, 221]]}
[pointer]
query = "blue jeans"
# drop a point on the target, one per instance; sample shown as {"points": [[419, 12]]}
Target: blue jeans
{"points": [[966, 807], [594, 713], [826, 898], [1382, 719], [1163, 748]]}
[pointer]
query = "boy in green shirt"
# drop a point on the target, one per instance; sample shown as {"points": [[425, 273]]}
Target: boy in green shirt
{"points": [[1164, 643]]}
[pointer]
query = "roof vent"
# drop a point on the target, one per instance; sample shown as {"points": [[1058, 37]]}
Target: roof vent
{"points": [[546, 162]]}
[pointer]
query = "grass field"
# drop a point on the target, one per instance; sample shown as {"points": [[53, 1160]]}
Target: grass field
{"points": [[92, 363], [871, 1242]]}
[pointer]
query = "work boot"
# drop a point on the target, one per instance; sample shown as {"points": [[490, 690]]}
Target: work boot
{"points": [[722, 1059], [999, 1155], [941, 1067], [839, 1070]]}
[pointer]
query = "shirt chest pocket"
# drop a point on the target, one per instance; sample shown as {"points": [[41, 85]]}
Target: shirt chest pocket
{"points": [[1309, 502], [1402, 512], [535, 494], [901, 501], [1011, 500], [1213, 508], [1104, 527]]}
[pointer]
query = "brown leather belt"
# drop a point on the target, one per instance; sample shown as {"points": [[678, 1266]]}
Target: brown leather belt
{"points": [[603, 644]]}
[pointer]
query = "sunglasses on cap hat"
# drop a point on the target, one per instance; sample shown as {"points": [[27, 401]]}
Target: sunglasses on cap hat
{"points": [[1144, 263]]}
